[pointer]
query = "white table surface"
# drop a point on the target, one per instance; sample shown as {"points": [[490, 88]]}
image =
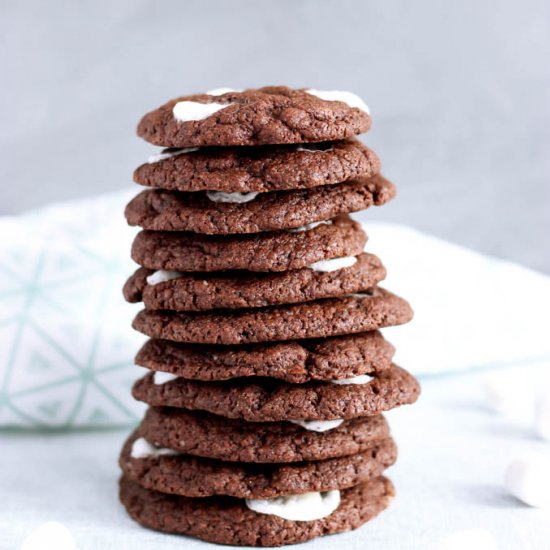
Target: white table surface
{"points": [[453, 453]]}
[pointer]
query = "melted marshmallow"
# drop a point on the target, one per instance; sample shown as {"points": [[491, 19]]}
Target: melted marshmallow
{"points": [[306, 507], [161, 276], [186, 111], [221, 91], [346, 97], [313, 148], [333, 265], [309, 226], [143, 449], [318, 425], [220, 196], [169, 153], [160, 377], [358, 380]]}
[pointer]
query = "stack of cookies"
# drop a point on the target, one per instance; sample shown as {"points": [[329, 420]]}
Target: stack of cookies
{"points": [[267, 371]]}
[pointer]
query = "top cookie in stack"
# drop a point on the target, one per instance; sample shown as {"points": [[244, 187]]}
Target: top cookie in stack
{"points": [[268, 372]]}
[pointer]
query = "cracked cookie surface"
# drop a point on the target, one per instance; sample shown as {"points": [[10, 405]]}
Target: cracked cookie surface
{"points": [[266, 400], [225, 520], [259, 169], [329, 317], [273, 251], [160, 210], [269, 115], [293, 361], [212, 436], [205, 291], [191, 476]]}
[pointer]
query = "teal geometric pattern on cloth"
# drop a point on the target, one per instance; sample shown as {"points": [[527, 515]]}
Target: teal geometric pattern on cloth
{"points": [[67, 347]]}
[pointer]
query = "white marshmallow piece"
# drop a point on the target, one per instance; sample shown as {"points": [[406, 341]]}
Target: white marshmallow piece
{"points": [[221, 91], [318, 425], [169, 153], [51, 535], [313, 148], [334, 264], [542, 417], [143, 449], [220, 196], [512, 398], [160, 377], [306, 507], [468, 539], [357, 380], [349, 98], [187, 111], [309, 226], [162, 276], [528, 479]]}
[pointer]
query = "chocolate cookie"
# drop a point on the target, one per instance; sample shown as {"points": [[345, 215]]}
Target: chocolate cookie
{"points": [[172, 211], [226, 520], [296, 362], [270, 115], [258, 169], [275, 251], [204, 291], [330, 317], [202, 477], [268, 400], [211, 436]]}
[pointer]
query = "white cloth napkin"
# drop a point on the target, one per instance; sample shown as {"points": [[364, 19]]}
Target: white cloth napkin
{"points": [[66, 358], [471, 311]]}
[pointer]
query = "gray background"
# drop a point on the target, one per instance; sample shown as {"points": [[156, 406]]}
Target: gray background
{"points": [[459, 93]]}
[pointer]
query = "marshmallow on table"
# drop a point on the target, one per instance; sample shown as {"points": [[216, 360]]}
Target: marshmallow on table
{"points": [[51, 535], [528, 479], [513, 398], [468, 539], [520, 400]]}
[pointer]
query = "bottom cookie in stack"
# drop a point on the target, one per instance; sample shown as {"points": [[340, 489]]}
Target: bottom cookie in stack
{"points": [[224, 520], [258, 484]]}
